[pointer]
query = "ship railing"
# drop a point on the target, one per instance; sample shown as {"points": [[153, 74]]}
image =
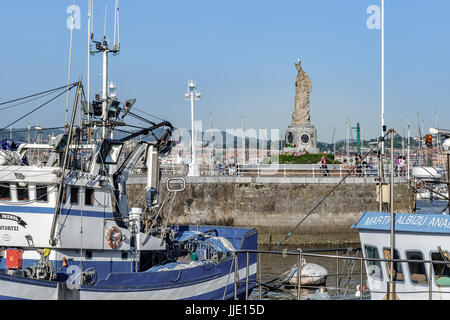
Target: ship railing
{"points": [[305, 170], [286, 170], [347, 281]]}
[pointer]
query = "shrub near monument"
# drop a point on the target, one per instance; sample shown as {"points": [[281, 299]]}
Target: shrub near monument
{"points": [[308, 158]]}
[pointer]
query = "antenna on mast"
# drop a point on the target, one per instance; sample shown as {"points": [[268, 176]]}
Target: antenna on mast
{"points": [[90, 30], [103, 47], [104, 23], [116, 25]]}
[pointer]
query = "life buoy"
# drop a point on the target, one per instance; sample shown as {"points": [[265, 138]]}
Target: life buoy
{"points": [[114, 237]]}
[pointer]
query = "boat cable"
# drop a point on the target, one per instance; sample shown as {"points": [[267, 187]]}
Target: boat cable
{"points": [[149, 114], [155, 218], [37, 108], [346, 266], [40, 130], [290, 233], [70, 67], [168, 216], [25, 102], [37, 94]]}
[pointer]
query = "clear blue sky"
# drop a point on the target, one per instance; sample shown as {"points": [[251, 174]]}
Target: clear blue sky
{"points": [[241, 54]]}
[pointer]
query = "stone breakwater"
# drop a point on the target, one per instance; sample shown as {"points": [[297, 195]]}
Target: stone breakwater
{"points": [[274, 206]]}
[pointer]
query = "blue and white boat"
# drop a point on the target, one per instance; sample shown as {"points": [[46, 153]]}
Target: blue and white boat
{"points": [[66, 231]]}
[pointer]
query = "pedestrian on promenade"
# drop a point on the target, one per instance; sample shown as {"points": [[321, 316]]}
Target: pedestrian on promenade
{"points": [[323, 166]]}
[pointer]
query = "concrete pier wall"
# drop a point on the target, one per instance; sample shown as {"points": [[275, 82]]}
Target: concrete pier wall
{"points": [[274, 206]]}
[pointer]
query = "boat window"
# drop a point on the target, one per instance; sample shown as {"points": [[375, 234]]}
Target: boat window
{"points": [[373, 267], [41, 193], [398, 273], [89, 197], [441, 270], [5, 192], [22, 192], [74, 195], [416, 269]]}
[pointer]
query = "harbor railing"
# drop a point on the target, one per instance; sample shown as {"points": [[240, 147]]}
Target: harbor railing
{"points": [[281, 170], [347, 281]]}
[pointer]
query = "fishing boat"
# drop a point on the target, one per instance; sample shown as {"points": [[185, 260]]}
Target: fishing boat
{"points": [[420, 243], [66, 231]]}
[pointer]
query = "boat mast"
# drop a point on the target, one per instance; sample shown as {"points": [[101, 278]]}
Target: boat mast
{"points": [[105, 91], [90, 8], [103, 46]]}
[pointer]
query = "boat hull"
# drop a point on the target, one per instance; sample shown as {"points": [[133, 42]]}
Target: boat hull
{"points": [[417, 236], [213, 287], [204, 280]]}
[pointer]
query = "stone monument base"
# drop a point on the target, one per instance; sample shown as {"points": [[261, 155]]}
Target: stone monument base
{"points": [[301, 139]]}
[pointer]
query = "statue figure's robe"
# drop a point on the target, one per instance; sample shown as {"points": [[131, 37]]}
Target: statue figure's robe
{"points": [[301, 116]]}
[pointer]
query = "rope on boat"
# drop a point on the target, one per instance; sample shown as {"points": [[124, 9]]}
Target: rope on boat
{"points": [[350, 266], [39, 107], [155, 218], [168, 216], [38, 94]]}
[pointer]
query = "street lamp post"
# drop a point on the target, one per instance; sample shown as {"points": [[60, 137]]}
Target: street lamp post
{"points": [[192, 94]]}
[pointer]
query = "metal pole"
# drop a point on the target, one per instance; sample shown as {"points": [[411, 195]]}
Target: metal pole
{"points": [[236, 275], [407, 173], [361, 286], [380, 177], [448, 178], [88, 97], [105, 93], [192, 126], [430, 282], [299, 271], [63, 168], [337, 273], [243, 141], [391, 279], [260, 275]]}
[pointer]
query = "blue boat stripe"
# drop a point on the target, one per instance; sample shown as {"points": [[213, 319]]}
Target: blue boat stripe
{"points": [[46, 210]]}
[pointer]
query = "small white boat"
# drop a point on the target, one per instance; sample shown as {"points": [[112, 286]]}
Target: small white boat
{"points": [[427, 173]]}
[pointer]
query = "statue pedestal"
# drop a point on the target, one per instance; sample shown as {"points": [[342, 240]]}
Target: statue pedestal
{"points": [[302, 139]]}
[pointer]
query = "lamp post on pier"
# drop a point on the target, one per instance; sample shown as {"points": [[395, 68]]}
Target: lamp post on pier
{"points": [[192, 94]]}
